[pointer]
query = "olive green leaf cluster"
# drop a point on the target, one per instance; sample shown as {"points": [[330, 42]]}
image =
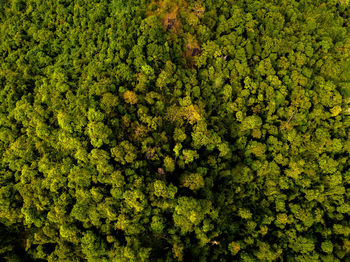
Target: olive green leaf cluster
{"points": [[175, 130]]}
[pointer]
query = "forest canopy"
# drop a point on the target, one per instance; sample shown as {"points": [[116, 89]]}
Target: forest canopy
{"points": [[175, 130]]}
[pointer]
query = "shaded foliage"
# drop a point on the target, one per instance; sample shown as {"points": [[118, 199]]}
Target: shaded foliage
{"points": [[174, 130]]}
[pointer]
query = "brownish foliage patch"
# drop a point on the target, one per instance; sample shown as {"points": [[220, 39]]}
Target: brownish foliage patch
{"points": [[171, 20], [168, 11], [171, 12], [191, 50]]}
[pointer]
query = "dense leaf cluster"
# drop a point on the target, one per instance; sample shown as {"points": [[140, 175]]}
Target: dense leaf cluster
{"points": [[175, 130]]}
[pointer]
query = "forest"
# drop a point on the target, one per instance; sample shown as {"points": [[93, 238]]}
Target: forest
{"points": [[174, 130]]}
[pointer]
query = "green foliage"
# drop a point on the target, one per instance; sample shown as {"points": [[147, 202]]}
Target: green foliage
{"points": [[174, 130], [192, 181]]}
